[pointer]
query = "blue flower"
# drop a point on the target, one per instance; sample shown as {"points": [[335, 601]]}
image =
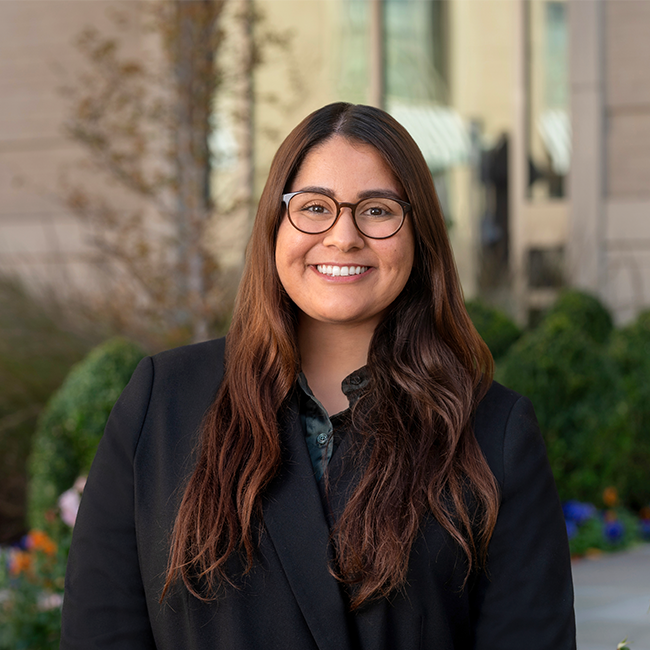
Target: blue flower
{"points": [[613, 530], [578, 512]]}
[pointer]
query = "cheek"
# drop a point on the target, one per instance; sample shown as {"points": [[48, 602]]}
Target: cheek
{"points": [[402, 256], [409, 251], [289, 256], [282, 246]]}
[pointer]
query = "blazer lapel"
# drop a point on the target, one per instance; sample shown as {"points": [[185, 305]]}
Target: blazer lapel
{"points": [[296, 524]]}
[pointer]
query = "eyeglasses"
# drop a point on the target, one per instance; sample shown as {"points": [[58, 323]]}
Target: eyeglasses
{"points": [[314, 213]]}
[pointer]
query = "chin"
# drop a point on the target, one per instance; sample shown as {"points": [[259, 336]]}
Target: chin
{"points": [[351, 318]]}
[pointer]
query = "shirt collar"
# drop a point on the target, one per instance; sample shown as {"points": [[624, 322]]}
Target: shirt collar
{"points": [[352, 386]]}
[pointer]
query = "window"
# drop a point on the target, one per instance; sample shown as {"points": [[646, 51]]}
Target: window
{"points": [[548, 125]]}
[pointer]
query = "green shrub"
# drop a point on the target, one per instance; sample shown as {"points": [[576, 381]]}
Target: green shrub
{"points": [[630, 350], [586, 313], [577, 393], [495, 328], [73, 423]]}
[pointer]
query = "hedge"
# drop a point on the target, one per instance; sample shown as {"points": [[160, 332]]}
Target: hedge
{"points": [[630, 350], [577, 393], [586, 314], [495, 328], [73, 423]]}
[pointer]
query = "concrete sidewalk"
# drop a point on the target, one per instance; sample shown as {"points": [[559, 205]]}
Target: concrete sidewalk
{"points": [[613, 600]]}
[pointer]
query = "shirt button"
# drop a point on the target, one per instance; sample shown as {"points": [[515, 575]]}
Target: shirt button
{"points": [[322, 439]]}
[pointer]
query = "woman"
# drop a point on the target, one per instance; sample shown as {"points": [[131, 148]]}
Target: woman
{"points": [[359, 481]]}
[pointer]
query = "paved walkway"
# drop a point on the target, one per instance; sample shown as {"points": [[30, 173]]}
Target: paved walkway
{"points": [[613, 600]]}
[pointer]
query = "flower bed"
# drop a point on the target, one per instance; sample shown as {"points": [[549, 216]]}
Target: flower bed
{"points": [[32, 575], [612, 528]]}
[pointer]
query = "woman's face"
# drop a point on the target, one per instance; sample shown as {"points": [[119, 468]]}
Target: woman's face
{"points": [[345, 170]]}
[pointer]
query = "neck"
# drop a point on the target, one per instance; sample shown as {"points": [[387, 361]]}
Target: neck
{"points": [[329, 353]]}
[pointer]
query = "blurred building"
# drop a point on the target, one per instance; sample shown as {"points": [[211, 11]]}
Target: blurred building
{"points": [[609, 229], [39, 240], [533, 115], [580, 174]]}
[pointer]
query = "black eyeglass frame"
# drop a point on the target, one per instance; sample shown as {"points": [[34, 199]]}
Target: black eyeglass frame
{"points": [[406, 208]]}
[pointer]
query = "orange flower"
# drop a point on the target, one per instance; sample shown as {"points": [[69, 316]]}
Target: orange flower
{"points": [[610, 497], [19, 562], [37, 540]]}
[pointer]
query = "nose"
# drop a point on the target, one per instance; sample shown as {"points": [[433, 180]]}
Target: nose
{"points": [[344, 234]]}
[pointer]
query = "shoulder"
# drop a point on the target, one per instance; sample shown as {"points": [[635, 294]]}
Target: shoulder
{"points": [[504, 418], [194, 359], [183, 381], [188, 375], [495, 406], [194, 363]]}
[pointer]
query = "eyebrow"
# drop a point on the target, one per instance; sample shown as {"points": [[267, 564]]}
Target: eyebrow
{"points": [[366, 194]]}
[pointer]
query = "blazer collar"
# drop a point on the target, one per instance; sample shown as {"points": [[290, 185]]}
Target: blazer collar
{"points": [[297, 526]]}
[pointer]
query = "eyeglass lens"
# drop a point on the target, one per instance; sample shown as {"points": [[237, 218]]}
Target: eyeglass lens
{"points": [[314, 213]]}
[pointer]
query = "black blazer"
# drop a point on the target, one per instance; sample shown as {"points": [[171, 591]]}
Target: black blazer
{"points": [[118, 558]]}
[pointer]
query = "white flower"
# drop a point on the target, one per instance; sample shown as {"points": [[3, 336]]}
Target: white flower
{"points": [[69, 505], [47, 601], [69, 501]]}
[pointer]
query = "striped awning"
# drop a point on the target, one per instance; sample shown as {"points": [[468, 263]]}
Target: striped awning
{"points": [[439, 131], [554, 127]]}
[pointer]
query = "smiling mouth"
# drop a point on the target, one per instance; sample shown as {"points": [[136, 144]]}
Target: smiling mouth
{"points": [[335, 271]]}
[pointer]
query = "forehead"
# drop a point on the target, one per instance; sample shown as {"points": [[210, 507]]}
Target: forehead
{"points": [[345, 166]]}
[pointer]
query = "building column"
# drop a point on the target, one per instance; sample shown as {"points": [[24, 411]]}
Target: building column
{"points": [[518, 169], [586, 183], [377, 88]]}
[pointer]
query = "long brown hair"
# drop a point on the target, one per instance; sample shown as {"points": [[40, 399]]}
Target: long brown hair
{"points": [[429, 369]]}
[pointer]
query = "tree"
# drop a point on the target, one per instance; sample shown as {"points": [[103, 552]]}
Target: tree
{"points": [[145, 121]]}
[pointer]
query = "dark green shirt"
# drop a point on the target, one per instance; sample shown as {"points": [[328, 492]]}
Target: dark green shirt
{"points": [[323, 433]]}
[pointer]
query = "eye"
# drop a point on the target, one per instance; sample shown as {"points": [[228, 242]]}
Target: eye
{"points": [[312, 205], [379, 208], [315, 208]]}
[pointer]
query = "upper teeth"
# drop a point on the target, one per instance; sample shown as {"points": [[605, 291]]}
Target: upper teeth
{"points": [[328, 269]]}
